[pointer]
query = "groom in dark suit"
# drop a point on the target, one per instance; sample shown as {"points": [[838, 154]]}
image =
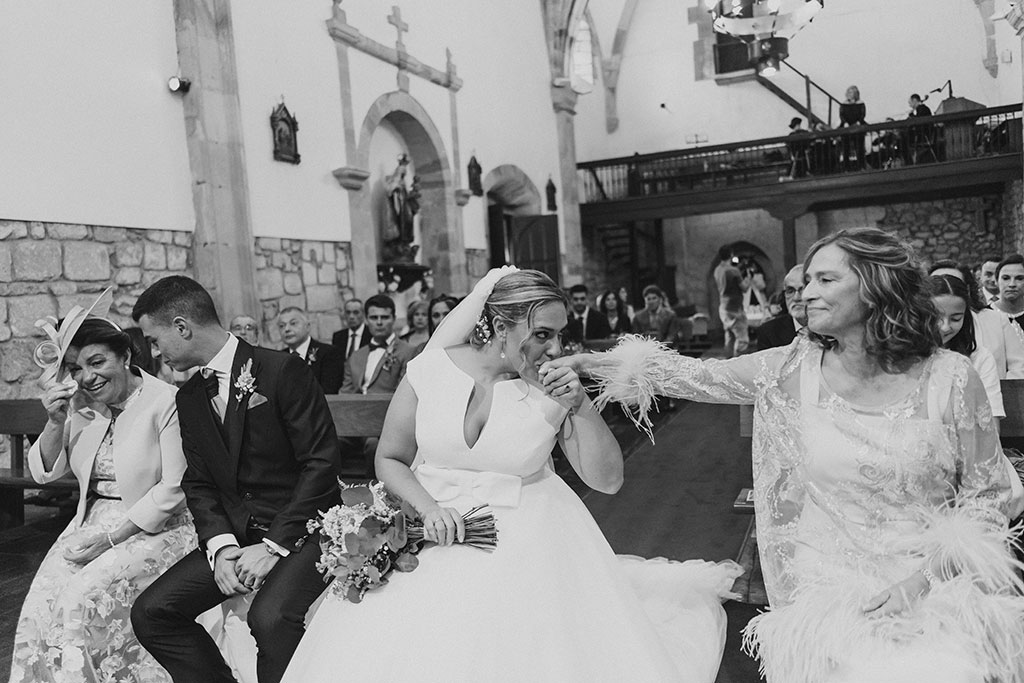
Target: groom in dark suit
{"points": [[262, 458]]}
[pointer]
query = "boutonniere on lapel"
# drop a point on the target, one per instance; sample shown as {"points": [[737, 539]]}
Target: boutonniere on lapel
{"points": [[389, 359], [311, 356], [245, 385]]}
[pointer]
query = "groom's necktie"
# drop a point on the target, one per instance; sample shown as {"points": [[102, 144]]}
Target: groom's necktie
{"points": [[212, 386]]}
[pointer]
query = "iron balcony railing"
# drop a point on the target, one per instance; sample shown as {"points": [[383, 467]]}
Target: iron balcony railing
{"points": [[947, 138]]}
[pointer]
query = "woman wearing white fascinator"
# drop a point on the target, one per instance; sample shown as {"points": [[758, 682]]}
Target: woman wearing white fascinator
{"points": [[473, 424], [115, 428]]}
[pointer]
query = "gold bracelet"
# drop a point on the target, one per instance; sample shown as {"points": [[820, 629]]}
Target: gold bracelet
{"points": [[110, 540], [930, 577]]}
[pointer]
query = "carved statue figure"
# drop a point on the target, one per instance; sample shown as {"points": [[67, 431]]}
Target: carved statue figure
{"points": [[402, 206]]}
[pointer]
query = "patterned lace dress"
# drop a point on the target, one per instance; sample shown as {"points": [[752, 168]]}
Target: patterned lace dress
{"points": [[74, 625], [850, 500]]}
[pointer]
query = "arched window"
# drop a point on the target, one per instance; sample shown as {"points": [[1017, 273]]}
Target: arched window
{"points": [[583, 72]]}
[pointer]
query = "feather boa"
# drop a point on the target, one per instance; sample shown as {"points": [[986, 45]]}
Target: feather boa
{"points": [[979, 609], [636, 367]]}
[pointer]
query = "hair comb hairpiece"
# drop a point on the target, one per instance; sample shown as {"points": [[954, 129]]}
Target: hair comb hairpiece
{"points": [[49, 354], [482, 329]]}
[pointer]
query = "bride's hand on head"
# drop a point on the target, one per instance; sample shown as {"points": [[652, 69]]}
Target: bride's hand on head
{"points": [[443, 526], [561, 383]]}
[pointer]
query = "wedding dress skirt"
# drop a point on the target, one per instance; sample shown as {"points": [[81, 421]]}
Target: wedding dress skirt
{"points": [[551, 603]]}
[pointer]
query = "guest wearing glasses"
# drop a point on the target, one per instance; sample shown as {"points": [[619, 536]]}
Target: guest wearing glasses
{"points": [[783, 328], [245, 327]]}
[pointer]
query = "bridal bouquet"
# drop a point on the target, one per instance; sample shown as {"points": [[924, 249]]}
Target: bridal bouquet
{"points": [[373, 533]]}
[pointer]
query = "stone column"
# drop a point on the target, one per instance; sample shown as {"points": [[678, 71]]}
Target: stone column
{"points": [[563, 99], [787, 213], [223, 241], [1015, 17]]}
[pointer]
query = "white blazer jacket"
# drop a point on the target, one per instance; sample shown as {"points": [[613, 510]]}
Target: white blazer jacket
{"points": [[148, 459]]}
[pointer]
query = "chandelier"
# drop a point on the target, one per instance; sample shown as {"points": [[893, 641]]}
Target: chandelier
{"points": [[764, 25]]}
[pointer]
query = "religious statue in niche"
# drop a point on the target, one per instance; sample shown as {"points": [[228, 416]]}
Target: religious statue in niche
{"points": [[403, 203], [474, 171], [285, 128]]}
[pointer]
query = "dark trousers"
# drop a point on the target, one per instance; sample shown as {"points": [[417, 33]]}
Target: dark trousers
{"points": [[164, 616]]}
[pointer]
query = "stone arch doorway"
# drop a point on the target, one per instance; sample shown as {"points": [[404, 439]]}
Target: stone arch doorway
{"points": [[516, 229], [750, 253], [440, 222]]}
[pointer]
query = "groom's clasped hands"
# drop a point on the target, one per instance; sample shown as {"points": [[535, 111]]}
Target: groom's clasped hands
{"points": [[238, 571]]}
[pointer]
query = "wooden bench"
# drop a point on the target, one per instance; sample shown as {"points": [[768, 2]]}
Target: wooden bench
{"points": [[21, 419], [355, 416]]}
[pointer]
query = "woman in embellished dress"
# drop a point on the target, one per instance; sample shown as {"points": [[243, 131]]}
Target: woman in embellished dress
{"points": [[116, 429], [881, 493], [474, 423]]}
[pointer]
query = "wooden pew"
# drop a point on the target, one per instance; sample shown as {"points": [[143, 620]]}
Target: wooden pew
{"points": [[21, 419], [354, 415]]}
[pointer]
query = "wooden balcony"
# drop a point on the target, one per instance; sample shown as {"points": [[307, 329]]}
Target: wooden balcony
{"points": [[961, 153]]}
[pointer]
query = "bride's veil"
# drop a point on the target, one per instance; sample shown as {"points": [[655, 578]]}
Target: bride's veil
{"points": [[458, 325]]}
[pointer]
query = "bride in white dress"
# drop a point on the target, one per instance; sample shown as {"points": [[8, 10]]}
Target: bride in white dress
{"points": [[474, 423]]}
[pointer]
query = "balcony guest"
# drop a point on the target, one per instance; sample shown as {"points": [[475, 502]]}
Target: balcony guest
{"points": [[851, 113]]}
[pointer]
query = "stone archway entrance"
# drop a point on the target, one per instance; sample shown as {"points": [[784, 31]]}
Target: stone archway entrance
{"points": [[517, 231], [440, 221], [751, 257]]}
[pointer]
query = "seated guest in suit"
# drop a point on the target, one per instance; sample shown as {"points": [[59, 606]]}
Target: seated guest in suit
{"points": [[584, 321], [116, 429], [379, 367], [656, 320], [419, 324], [356, 334], [783, 328], [245, 327], [614, 310], [323, 359], [440, 306]]}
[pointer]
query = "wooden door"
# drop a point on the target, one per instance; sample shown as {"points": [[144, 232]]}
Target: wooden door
{"points": [[533, 243]]}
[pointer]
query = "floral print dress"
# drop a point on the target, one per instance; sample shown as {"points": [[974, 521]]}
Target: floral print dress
{"points": [[75, 623]]}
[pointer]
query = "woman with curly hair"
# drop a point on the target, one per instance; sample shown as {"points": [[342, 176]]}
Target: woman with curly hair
{"points": [[881, 495]]}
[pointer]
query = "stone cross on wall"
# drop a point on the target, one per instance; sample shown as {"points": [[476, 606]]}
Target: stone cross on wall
{"points": [[395, 19]]}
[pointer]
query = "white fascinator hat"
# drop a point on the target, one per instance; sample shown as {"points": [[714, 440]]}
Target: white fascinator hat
{"points": [[49, 354]]}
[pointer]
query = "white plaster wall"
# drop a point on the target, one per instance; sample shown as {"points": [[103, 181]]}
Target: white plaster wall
{"points": [[91, 134], [283, 49], [888, 49]]}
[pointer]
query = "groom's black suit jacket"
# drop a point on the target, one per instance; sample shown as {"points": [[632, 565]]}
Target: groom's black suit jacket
{"points": [[275, 463]]}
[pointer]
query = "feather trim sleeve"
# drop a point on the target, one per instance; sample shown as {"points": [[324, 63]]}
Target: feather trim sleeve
{"points": [[639, 369]]}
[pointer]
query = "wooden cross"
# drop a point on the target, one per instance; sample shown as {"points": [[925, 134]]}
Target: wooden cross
{"points": [[395, 19]]}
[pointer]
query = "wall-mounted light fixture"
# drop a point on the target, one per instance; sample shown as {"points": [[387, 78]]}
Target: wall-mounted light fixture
{"points": [[178, 84]]}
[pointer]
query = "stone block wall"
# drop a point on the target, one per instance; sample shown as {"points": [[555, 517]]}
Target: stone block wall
{"points": [[313, 275], [961, 228], [46, 268]]}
